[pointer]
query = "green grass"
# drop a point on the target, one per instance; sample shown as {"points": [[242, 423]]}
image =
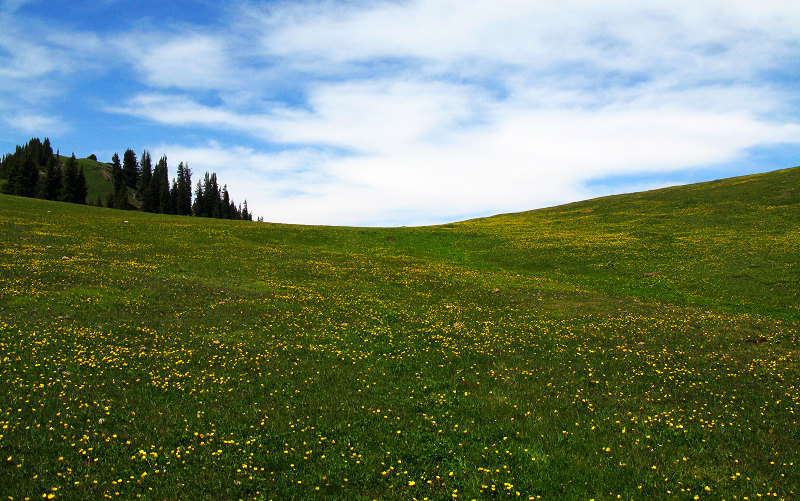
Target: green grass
{"points": [[98, 178], [175, 358]]}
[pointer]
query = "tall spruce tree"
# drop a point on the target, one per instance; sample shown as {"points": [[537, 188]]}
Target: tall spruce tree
{"points": [[173, 198], [198, 208], [5, 164], [51, 187], [226, 204], [9, 172], [160, 186], [116, 173], [23, 176], [144, 186], [130, 169], [213, 200], [70, 183], [45, 154], [81, 188], [121, 198], [183, 205]]}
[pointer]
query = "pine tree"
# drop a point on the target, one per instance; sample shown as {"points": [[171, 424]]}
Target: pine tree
{"points": [[226, 203], [144, 186], [81, 189], [213, 201], [9, 171], [197, 206], [121, 198], [5, 165], [36, 151], [23, 176], [12, 174], [69, 184], [183, 205], [52, 180], [45, 154], [130, 169], [173, 198], [160, 186], [116, 173]]}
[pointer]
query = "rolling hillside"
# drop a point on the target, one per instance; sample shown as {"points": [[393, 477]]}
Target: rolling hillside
{"points": [[642, 346], [98, 178]]}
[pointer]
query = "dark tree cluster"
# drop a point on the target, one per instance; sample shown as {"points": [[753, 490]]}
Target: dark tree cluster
{"points": [[152, 188], [34, 171], [211, 201]]}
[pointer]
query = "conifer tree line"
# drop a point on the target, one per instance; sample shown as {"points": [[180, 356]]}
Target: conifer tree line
{"points": [[34, 171]]}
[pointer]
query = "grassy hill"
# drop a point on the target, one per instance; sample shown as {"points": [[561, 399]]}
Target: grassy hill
{"points": [[98, 178], [641, 346]]}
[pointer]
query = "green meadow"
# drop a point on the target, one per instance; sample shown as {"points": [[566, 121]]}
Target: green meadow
{"points": [[641, 346]]}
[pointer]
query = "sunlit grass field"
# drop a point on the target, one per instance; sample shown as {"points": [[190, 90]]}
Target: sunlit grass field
{"points": [[643, 346]]}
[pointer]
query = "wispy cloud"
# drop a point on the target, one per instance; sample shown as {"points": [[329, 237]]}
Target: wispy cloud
{"points": [[33, 124], [190, 61]]}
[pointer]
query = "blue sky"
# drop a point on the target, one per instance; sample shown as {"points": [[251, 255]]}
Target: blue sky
{"points": [[411, 112]]}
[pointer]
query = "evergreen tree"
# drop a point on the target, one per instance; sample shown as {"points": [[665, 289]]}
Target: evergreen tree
{"points": [[29, 177], [9, 171], [121, 198], [173, 198], [81, 189], [23, 176], [160, 186], [22, 168], [36, 151], [246, 215], [45, 154], [226, 204], [5, 165], [130, 169], [52, 180], [70, 183], [145, 188], [197, 207], [183, 204], [213, 202], [116, 173]]}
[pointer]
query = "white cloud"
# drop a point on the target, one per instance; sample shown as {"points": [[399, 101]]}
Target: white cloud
{"points": [[33, 123], [523, 161], [380, 117], [185, 60], [708, 37]]}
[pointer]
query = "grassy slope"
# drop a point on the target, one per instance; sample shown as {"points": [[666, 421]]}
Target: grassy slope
{"points": [[98, 178], [727, 244], [489, 357]]}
